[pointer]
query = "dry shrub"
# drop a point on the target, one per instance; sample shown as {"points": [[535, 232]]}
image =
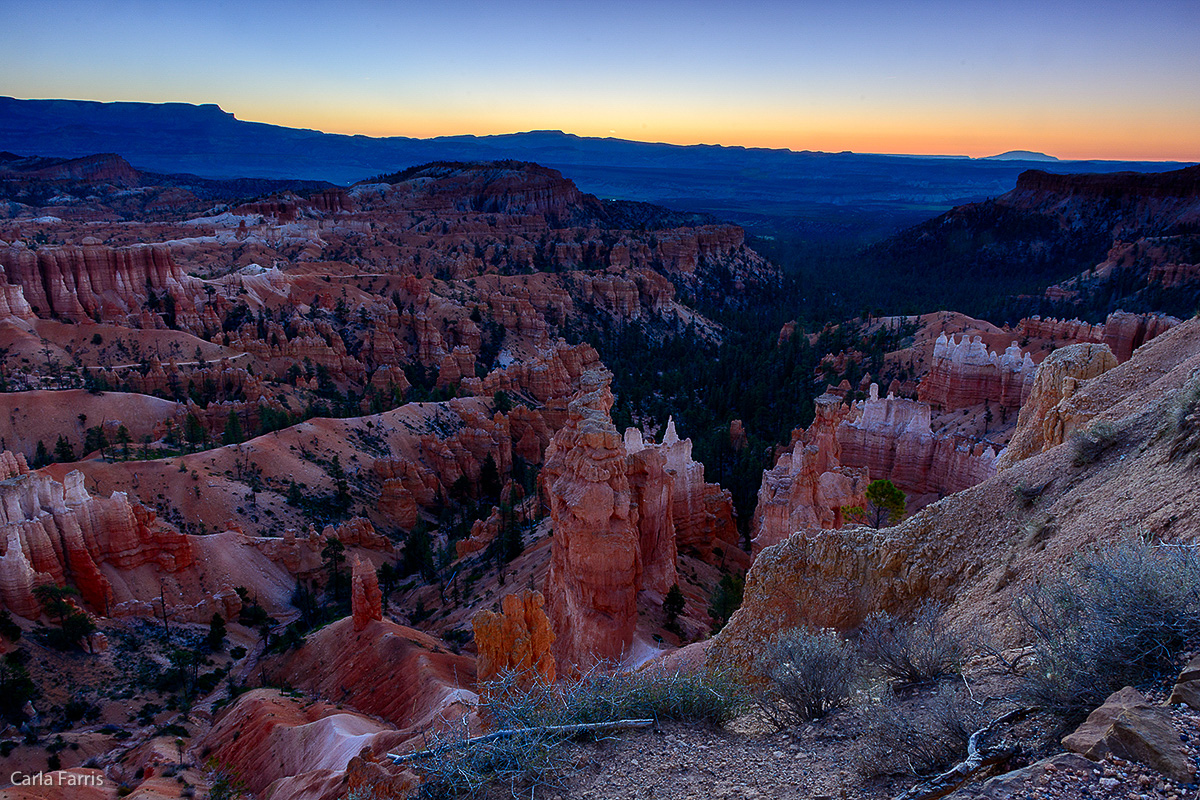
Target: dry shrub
{"points": [[807, 675], [920, 734], [454, 767], [1027, 494], [1116, 618], [912, 652], [1185, 443], [1088, 445]]}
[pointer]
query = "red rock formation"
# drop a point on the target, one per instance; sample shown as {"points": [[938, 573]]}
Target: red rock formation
{"points": [[595, 561], [809, 486], [98, 168], [396, 673], [483, 533], [973, 552], [891, 438], [846, 447], [13, 304], [1124, 332], [397, 504], [963, 373], [47, 526], [652, 489], [274, 742], [621, 508], [702, 512], [1121, 331], [518, 639], [737, 435], [76, 283], [366, 600]]}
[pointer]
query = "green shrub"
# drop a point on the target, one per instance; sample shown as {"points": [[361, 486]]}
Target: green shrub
{"points": [[8, 628], [1115, 618], [914, 651], [807, 674]]}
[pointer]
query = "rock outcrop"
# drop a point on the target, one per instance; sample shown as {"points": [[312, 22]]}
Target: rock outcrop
{"points": [[77, 283], [652, 489], [976, 551], [51, 531], [702, 512], [1048, 417], [282, 747], [386, 670], [366, 600], [596, 560], [809, 486], [831, 464], [518, 639], [1122, 331], [891, 438]]}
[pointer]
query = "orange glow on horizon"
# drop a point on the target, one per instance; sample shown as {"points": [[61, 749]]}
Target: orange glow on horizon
{"points": [[953, 134]]}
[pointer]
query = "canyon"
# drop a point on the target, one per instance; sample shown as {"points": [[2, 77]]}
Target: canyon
{"points": [[360, 452]]}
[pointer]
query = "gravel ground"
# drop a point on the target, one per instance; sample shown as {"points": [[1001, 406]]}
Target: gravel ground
{"points": [[823, 762]]}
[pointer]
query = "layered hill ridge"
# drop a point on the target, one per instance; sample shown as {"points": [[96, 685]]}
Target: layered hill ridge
{"points": [[817, 193], [1103, 242]]}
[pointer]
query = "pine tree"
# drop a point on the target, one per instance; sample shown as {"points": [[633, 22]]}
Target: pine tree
{"points": [[216, 633], [885, 503], [489, 479], [63, 450], [233, 430], [673, 605], [334, 555]]}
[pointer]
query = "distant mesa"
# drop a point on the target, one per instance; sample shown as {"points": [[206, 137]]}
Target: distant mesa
{"points": [[1021, 155]]}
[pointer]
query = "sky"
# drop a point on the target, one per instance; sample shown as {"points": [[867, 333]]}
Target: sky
{"points": [[1073, 78]]}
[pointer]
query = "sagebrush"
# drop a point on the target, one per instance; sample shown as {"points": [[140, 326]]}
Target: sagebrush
{"points": [[1116, 618], [1088, 445], [912, 651], [919, 734], [807, 674]]}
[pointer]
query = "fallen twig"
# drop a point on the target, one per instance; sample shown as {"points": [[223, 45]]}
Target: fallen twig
{"points": [[546, 730], [979, 757]]}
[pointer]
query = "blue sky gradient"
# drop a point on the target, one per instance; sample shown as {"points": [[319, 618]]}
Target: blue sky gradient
{"points": [[1094, 79]]}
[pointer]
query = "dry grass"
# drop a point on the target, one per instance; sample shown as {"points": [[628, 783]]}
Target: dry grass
{"points": [[452, 766]]}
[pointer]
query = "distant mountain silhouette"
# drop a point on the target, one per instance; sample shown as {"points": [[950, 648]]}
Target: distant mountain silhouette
{"points": [[1021, 155], [822, 195]]}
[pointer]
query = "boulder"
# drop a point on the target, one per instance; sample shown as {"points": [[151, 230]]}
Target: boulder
{"points": [[1187, 686], [1128, 726]]}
